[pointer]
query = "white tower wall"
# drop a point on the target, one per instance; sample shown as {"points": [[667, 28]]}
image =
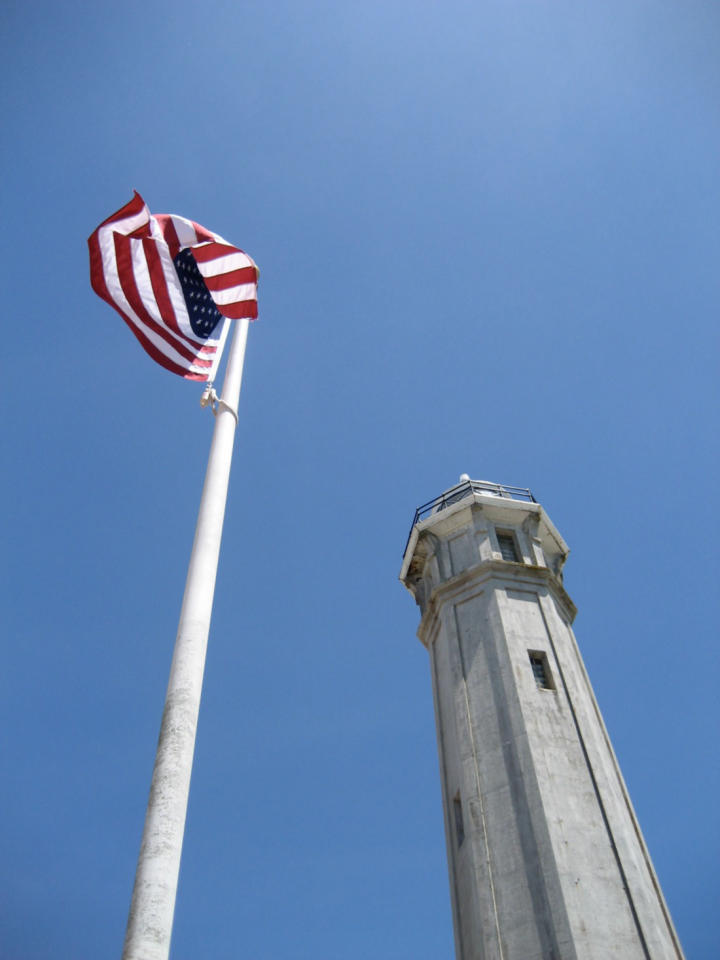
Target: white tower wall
{"points": [[545, 855]]}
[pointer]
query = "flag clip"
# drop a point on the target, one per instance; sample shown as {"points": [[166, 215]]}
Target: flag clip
{"points": [[210, 399]]}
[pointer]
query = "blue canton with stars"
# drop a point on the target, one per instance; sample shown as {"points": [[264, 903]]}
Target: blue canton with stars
{"points": [[204, 315]]}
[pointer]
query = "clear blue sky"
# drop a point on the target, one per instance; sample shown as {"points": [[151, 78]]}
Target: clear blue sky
{"points": [[488, 235]]}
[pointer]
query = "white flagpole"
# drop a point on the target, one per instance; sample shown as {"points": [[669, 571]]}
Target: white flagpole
{"points": [[153, 901]]}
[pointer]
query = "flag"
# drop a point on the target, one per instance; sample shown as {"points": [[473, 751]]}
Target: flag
{"points": [[174, 283]]}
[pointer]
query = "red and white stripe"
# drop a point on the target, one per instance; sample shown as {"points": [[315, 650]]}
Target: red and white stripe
{"points": [[132, 269]]}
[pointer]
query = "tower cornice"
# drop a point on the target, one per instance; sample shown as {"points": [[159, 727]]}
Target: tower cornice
{"points": [[500, 573]]}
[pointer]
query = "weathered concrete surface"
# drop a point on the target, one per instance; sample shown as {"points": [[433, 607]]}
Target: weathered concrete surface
{"points": [[549, 862]]}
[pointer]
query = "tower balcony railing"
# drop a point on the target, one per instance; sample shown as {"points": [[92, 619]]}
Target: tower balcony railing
{"points": [[466, 489]]}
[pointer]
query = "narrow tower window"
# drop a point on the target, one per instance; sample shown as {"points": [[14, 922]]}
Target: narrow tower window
{"points": [[541, 670], [508, 547], [459, 825]]}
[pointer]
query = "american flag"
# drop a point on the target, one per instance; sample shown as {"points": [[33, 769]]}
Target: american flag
{"points": [[174, 283]]}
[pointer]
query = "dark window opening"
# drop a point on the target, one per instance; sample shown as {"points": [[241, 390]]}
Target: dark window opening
{"points": [[459, 825], [541, 670], [508, 547]]}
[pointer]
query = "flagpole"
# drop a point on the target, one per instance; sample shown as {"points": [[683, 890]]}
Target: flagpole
{"points": [[152, 907]]}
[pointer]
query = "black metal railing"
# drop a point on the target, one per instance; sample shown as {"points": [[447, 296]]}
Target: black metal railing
{"points": [[466, 489]]}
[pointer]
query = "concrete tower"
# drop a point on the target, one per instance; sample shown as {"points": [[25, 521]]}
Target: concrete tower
{"points": [[545, 854]]}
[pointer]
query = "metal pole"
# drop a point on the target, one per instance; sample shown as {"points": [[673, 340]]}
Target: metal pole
{"points": [[153, 901]]}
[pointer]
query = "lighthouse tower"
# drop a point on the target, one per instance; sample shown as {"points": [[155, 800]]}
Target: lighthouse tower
{"points": [[545, 854]]}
